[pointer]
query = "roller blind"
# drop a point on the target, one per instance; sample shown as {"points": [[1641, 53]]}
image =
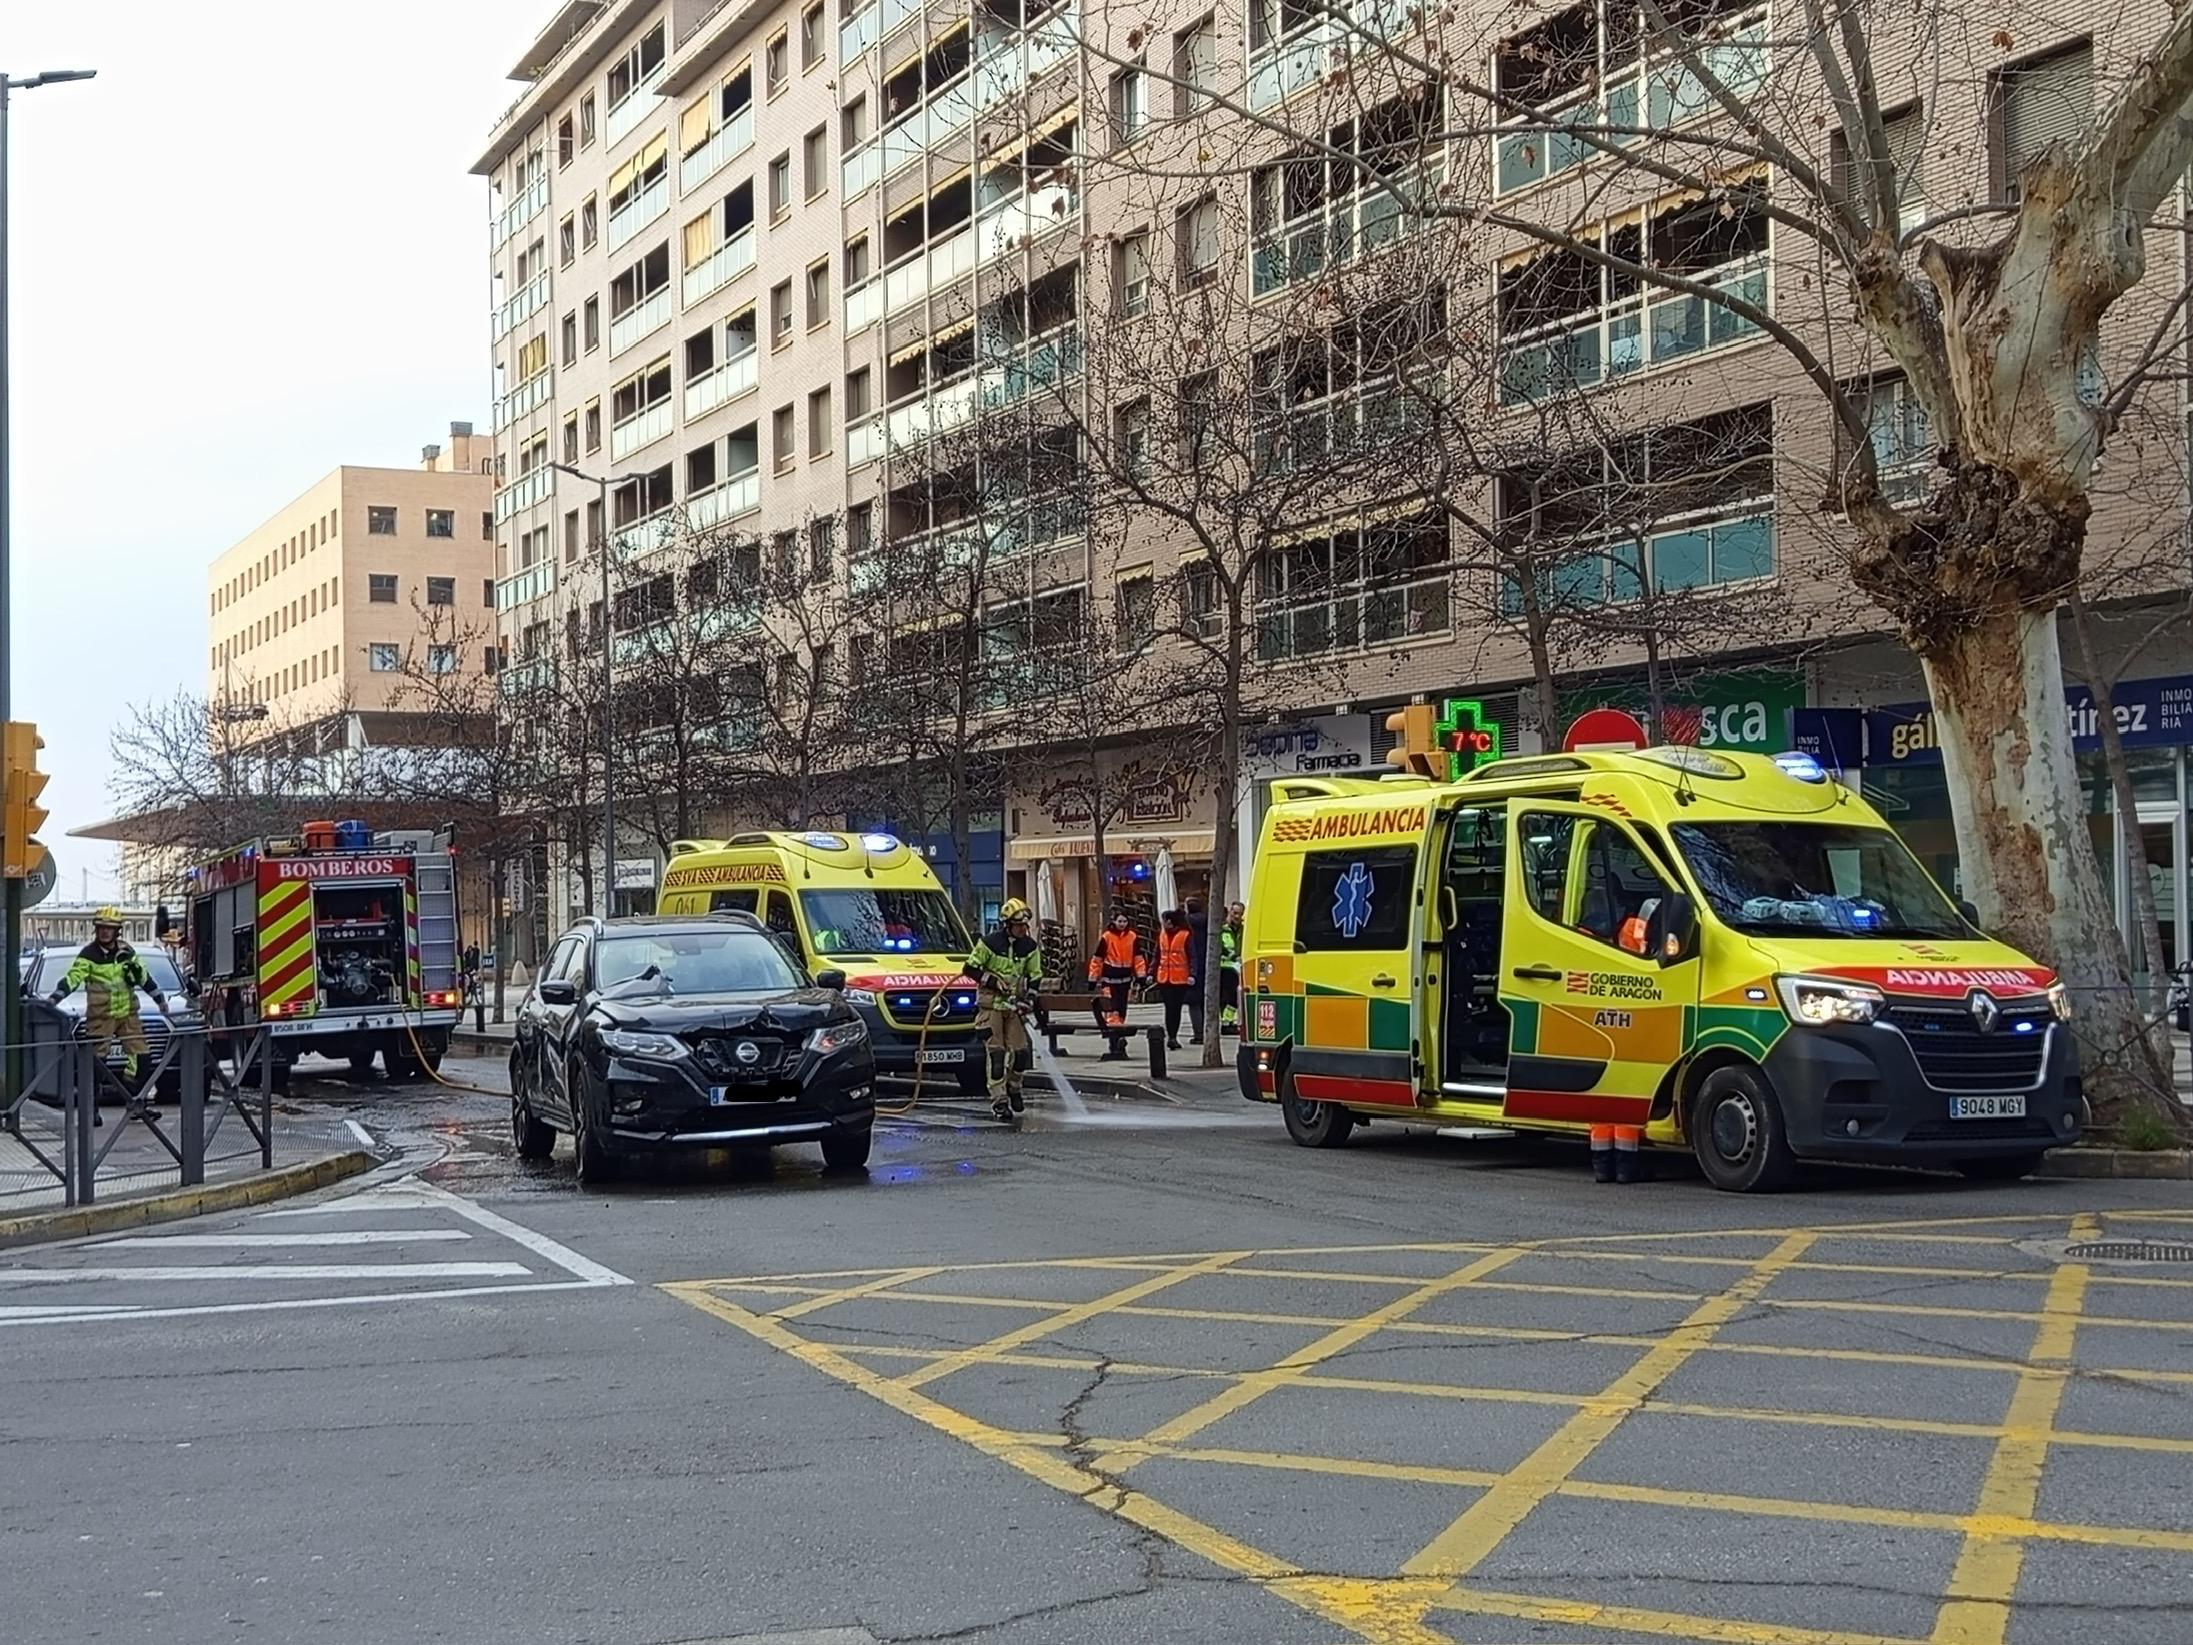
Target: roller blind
{"points": [[696, 125], [2042, 103], [701, 239]]}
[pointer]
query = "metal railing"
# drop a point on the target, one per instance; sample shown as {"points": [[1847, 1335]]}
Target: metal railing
{"points": [[1636, 334], [523, 306], [53, 1132], [535, 582], [529, 395]]}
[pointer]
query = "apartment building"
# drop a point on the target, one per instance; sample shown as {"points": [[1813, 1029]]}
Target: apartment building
{"points": [[749, 257], [367, 577]]}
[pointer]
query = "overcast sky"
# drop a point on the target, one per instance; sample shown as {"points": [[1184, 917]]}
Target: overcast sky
{"points": [[249, 251]]}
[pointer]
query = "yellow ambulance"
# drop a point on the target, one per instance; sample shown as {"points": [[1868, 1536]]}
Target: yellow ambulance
{"points": [[864, 904], [1730, 951]]}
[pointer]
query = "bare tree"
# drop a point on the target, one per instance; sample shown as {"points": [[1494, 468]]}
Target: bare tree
{"points": [[202, 775]]}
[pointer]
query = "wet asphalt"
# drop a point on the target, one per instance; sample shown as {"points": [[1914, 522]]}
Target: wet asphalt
{"points": [[503, 1409]]}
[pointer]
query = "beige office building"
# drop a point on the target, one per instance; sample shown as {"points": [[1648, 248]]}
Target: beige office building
{"points": [[368, 577]]}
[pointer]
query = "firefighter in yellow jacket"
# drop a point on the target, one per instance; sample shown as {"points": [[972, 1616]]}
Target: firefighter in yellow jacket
{"points": [[1008, 962], [110, 974]]}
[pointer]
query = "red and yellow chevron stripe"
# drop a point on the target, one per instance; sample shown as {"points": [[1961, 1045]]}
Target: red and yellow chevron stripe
{"points": [[414, 988], [286, 961]]}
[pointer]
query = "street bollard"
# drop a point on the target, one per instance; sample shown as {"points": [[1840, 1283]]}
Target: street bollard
{"points": [[1156, 1038], [191, 1121]]}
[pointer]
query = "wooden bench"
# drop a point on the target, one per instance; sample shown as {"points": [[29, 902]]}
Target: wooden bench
{"points": [[1077, 1014]]}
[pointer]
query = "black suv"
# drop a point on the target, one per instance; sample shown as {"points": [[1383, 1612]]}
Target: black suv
{"points": [[695, 1033]]}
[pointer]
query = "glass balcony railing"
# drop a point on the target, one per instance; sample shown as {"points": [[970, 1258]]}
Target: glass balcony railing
{"points": [[651, 315], [725, 264], [858, 32], [1013, 374], [861, 169], [944, 407], [1025, 218], [725, 500], [528, 396], [1349, 619], [1319, 240], [863, 306], [720, 386], [945, 111], [535, 582], [530, 202], [732, 139], [1637, 335], [636, 432], [523, 305], [522, 679], [647, 535], [866, 441], [643, 208], [626, 117], [929, 269], [524, 492]]}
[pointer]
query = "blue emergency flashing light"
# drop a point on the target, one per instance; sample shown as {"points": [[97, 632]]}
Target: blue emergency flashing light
{"points": [[823, 842], [879, 842], [2022, 1028], [1138, 871], [963, 1001], [1797, 763]]}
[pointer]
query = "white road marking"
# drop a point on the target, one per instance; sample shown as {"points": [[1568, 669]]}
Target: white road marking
{"points": [[363, 1203], [539, 1244], [328, 1236], [362, 1134], [275, 1270], [61, 1316]]}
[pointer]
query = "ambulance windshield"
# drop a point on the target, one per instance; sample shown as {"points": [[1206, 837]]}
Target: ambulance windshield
{"points": [[1815, 880], [883, 921]]}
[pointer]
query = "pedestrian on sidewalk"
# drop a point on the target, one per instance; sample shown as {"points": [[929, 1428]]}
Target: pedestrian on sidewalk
{"points": [[1199, 939], [1229, 970], [1116, 966], [1176, 973]]}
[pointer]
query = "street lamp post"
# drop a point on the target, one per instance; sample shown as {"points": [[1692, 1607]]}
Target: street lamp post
{"points": [[602, 483], [14, 933]]}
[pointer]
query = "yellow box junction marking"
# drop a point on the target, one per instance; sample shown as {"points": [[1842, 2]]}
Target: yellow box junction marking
{"points": [[1435, 1582]]}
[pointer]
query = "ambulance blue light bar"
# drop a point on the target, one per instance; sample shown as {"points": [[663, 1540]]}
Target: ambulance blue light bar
{"points": [[1796, 763]]}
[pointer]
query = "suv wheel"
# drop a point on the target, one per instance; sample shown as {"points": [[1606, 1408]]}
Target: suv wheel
{"points": [[597, 1163]]}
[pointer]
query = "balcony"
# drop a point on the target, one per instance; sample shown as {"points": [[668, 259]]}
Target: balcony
{"points": [[942, 113], [1026, 218], [720, 386], [645, 536], [529, 204], [1321, 239], [649, 316], [1348, 620], [1013, 373], [725, 500], [1006, 70], [725, 264], [1636, 335], [857, 33], [526, 491], [861, 169], [643, 430], [927, 269], [522, 679], [944, 407], [1306, 436], [863, 306], [529, 301], [626, 117], [643, 208], [535, 582], [529, 396], [1277, 71], [732, 139], [866, 441]]}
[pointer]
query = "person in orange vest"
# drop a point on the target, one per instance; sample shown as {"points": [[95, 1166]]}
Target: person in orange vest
{"points": [[1175, 971], [1116, 966]]}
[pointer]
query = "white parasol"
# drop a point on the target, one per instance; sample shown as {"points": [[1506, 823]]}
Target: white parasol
{"points": [[1046, 895], [1167, 892]]}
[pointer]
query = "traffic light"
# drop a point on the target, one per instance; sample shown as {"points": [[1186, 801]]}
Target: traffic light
{"points": [[21, 855], [1416, 742]]}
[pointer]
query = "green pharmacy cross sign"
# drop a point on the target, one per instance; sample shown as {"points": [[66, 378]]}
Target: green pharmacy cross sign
{"points": [[1467, 737]]}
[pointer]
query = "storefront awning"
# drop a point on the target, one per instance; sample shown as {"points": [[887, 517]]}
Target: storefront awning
{"points": [[1123, 842]]}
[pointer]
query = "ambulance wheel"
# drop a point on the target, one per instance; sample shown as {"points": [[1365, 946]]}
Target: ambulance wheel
{"points": [[1736, 1131], [1314, 1124]]}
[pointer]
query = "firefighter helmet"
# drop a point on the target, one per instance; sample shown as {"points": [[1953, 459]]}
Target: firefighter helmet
{"points": [[109, 915], [1012, 909]]}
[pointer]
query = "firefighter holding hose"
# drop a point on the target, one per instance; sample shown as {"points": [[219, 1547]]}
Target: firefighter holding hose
{"points": [[1008, 963], [110, 974]]}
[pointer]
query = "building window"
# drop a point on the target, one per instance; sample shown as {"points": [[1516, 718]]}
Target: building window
{"points": [[487, 525], [571, 438], [570, 332], [1137, 611], [594, 522], [860, 528], [487, 592], [593, 312], [631, 71], [1199, 599], [1906, 134], [593, 426], [853, 124], [783, 438], [859, 393], [780, 313], [1195, 66], [818, 422], [811, 36], [815, 160], [567, 142], [441, 659], [1125, 100], [856, 261], [384, 659], [589, 223], [818, 294], [1901, 436], [1197, 234], [1131, 274], [586, 121], [1566, 321], [567, 241], [1131, 439], [2048, 100], [441, 522], [780, 185], [822, 537], [380, 522], [776, 63], [441, 591], [1355, 585]]}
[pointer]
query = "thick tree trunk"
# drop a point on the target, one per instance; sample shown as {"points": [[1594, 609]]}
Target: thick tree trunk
{"points": [[1997, 688], [2146, 921], [1225, 768]]}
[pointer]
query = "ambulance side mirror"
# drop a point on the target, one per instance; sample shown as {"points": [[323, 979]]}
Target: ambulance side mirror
{"points": [[1971, 914], [1673, 934]]}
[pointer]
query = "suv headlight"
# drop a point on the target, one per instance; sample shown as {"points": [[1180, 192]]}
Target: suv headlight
{"points": [[2059, 1001], [838, 1036], [1828, 999], [859, 996], [639, 1042]]}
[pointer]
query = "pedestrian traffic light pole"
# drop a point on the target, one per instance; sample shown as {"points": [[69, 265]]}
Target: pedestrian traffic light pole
{"points": [[13, 995], [602, 483]]}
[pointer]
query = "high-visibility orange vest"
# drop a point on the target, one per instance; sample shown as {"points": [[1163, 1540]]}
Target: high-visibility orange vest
{"points": [[1118, 957], [1172, 956]]}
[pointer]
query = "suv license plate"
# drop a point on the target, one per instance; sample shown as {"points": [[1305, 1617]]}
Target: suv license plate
{"points": [[1987, 1108], [956, 1054]]}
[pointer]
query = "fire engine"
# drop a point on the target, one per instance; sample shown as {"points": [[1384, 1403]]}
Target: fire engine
{"points": [[342, 941]]}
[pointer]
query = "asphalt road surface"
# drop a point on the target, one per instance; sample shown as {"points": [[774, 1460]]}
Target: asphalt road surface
{"points": [[1158, 1376]]}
